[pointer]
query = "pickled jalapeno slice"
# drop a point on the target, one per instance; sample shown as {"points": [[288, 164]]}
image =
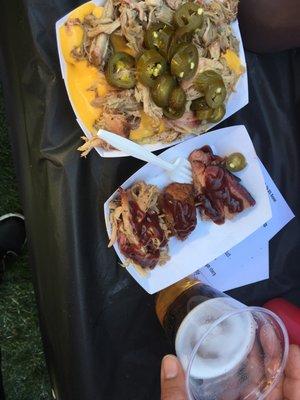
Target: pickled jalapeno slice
{"points": [[217, 114], [162, 89], [235, 162], [158, 36], [173, 114], [184, 63], [189, 15], [120, 71], [177, 99], [206, 78], [150, 66], [215, 94]]}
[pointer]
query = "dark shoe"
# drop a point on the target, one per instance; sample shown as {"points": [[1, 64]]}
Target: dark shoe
{"points": [[12, 238]]}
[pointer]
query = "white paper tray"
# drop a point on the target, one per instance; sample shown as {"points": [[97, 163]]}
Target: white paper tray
{"points": [[208, 241], [236, 101]]}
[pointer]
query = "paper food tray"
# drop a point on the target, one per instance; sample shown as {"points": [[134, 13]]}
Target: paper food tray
{"points": [[208, 241], [237, 99]]}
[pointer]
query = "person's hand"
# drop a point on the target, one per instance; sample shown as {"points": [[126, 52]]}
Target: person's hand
{"points": [[172, 379], [289, 386]]}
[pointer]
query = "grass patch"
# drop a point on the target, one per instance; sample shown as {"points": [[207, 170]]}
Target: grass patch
{"points": [[23, 365], [24, 372]]}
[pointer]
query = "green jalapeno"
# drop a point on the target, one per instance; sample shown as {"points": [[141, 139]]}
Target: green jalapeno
{"points": [[189, 15], [174, 45], [206, 78], [150, 66], [181, 35], [215, 94], [158, 36], [235, 162], [184, 63], [199, 104], [202, 110], [120, 71], [162, 89], [202, 115], [151, 35], [217, 114], [173, 114], [177, 99]]}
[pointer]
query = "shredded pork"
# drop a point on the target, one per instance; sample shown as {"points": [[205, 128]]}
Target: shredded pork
{"points": [[122, 101], [174, 4], [97, 52], [139, 227], [142, 95], [89, 144], [164, 14], [131, 27]]}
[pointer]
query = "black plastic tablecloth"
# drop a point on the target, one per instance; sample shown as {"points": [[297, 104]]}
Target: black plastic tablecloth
{"points": [[100, 333]]}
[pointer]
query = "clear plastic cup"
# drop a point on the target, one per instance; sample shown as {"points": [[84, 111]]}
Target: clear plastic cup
{"points": [[228, 350]]}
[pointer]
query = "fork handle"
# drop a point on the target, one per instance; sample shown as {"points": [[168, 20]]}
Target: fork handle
{"points": [[133, 149]]}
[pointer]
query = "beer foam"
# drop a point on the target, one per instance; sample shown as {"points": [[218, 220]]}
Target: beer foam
{"points": [[226, 346]]}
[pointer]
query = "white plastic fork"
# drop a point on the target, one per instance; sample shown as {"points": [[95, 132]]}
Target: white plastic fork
{"points": [[178, 171]]}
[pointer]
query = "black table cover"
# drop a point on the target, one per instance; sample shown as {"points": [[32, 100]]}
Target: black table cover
{"points": [[100, 333]]}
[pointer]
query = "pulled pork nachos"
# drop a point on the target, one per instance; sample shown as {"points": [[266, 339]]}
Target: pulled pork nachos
{"points": [[152, 71]]}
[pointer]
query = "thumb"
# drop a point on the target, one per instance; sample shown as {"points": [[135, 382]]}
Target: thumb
{"points": [[172, 379]]}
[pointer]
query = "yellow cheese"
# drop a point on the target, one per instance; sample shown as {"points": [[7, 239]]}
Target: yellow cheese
{"points": [[83, 10], [70, 37], [147, 128], [98, 11], [80, 78], [102, 87], [233, 62], [84, 81], [120, 44]]}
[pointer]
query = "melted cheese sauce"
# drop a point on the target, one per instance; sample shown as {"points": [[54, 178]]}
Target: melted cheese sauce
{"points": [[147, 128], [84, 81], [234, 62]]}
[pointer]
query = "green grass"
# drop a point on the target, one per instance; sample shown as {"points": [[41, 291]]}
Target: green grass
{"points": [[24, 371]]}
